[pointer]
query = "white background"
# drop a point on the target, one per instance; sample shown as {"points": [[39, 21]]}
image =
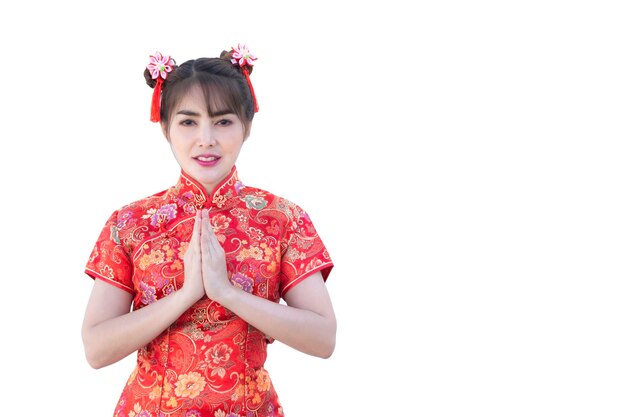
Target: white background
{"points": [[463, 162]]}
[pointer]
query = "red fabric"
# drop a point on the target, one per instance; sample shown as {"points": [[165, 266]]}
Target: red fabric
{"points": [[155, 108], [247, 75], [209, 362]]}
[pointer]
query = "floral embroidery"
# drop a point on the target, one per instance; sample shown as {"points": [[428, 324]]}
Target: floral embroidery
{"points": [[190, 385], [256, 385], [253, 252], [124, 218], [263, 380], [209, 362], [155, 393], [187, 202], [220, 223], [161, 215], [294, 254], [182, 249], [222, 413], [273, 228], [219, 200], [172, 402], [114, 235], [155, 257], [243, 282], [148, 293], [254, 202], [218, 358], [138, 412], [107, 271], [239, 214], [176, 265], [313, 264], [240, 391], [254, 233], [218, 355]]}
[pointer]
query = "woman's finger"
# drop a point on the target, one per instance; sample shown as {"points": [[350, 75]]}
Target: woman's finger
{"points": [[197, 225], [206, 233], [215, 244]]}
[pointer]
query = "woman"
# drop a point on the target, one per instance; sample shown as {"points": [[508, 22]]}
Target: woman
{"points": [[204, 263]]}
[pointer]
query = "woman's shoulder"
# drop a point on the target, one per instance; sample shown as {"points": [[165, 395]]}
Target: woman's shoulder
{"points": [[143, 208], [263, 200]]}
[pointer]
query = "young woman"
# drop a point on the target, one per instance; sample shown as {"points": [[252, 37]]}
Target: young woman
{"points": [[191, 277]]}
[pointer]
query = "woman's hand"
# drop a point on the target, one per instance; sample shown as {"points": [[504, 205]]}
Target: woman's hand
{"points": [[193, 287], [307, 323], [214, 274]]}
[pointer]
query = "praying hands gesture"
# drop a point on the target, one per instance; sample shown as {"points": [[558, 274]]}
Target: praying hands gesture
{"points": [[205, 262], [111, 332], [306, 323]]}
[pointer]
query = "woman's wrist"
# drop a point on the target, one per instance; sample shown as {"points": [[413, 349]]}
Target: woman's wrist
{"points": [[188, 295], [227, 295]]}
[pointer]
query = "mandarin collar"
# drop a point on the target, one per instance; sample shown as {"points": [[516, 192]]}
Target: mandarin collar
{"points": [[193, 192]]}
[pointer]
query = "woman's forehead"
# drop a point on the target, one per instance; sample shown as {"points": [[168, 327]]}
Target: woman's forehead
{"points": [[204, 98]]}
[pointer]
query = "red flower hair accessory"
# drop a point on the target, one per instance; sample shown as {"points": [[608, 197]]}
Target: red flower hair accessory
{"points": [[159, 66], [242, 57]]}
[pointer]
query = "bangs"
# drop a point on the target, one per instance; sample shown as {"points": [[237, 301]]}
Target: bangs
{"points": [[221, 95]]}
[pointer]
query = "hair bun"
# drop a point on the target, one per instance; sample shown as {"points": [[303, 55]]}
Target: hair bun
{"points": [[170, 69], [228, 56], [149, 80], [152, 81]]}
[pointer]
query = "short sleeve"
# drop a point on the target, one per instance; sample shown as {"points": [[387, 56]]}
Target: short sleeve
{"points": [[109, 261], [303, 252]]}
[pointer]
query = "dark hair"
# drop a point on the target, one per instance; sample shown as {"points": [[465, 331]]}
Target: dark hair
{"points": [[223, 85]]}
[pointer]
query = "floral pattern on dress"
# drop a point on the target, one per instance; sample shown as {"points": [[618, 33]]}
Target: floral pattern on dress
{"points": [[209, 362]]}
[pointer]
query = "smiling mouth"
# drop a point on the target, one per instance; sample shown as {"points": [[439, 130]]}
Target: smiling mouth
{"points": [[207, 158]]}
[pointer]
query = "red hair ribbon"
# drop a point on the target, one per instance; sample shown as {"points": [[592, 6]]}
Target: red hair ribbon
{"points": [[159, 66], [242, 57], [247, 75], [155, 108]]}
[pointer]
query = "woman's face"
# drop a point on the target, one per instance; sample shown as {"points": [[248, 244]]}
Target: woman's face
{"points": [[205, 147]]}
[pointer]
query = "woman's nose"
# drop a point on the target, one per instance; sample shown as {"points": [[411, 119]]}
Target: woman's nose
{"points": [[207, 137]]}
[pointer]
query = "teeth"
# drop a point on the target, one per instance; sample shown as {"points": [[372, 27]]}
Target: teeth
{"points": [[205, 159]]}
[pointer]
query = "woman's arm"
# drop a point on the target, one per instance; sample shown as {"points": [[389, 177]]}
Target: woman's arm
{"points": [[307, 323], [111, 332]]}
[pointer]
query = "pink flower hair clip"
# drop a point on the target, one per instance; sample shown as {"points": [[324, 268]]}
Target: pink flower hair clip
{"points": [[243, 58], [159, 66]]}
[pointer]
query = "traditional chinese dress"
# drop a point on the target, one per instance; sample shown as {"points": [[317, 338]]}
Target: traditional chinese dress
{"points": [[209, 362]]}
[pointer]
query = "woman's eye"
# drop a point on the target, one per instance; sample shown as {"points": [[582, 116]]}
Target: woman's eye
{"points": [[224, 122], [187, 122]]}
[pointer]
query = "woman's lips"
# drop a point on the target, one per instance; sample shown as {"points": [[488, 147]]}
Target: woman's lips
{"points": [[207, 160]]}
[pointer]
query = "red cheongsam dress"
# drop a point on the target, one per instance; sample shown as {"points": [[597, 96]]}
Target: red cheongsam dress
{"points": [[209, 362]]}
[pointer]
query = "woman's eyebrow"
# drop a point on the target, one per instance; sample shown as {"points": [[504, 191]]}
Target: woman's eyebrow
{"points": [[221, 113], [196, 114], [188, 113]]}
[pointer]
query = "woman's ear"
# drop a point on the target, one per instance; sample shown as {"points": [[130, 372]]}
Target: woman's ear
{"points": [[165, 130], [247, 130]]}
